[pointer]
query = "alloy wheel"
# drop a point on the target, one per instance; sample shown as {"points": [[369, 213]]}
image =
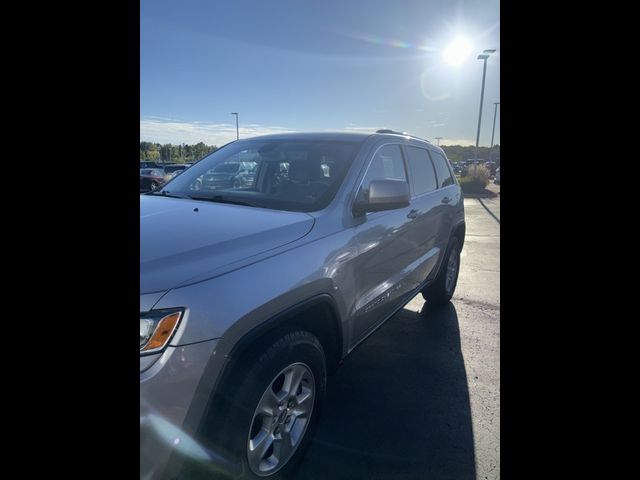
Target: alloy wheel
{"points": [[281, 419], [452, 271]]}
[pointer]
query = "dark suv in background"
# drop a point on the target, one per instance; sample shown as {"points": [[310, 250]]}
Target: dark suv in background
{"points": [[230, 174], [150, 165], [250, 296]]}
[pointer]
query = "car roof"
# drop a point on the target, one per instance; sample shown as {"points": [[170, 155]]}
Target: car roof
{"points": [[344, 136], [338, 136]]}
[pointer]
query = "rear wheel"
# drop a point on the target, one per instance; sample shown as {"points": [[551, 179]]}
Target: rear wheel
{"points": [[442, 289], [154, 186]]}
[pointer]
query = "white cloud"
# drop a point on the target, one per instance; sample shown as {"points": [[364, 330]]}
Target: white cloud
{"points": [[457, 141], [165, 130], [169, 130]]}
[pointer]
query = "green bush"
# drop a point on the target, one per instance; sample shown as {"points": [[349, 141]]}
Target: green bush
{"points": [[476, 180], [480, 174]]}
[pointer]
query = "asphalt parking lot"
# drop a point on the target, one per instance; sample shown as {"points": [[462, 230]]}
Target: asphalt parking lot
{"points": [[420, 399]]}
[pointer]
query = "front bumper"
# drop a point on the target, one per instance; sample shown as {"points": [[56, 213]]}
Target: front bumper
{"points": [[168, 384]]}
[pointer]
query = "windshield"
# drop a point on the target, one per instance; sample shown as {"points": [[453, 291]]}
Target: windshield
{"points": [[293, 175]]}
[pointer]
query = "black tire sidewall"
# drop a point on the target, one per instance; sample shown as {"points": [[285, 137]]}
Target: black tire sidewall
{"points": [[454, 249], [296, 347], [436, 293]]}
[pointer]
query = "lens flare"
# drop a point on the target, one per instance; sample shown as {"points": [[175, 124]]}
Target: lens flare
{"points": [[458, 51], [393, 42]]}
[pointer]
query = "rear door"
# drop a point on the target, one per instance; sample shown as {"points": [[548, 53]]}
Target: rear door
{"points": [[447, 196], [426, 214]]}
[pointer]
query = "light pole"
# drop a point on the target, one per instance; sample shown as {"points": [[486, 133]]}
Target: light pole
{"points": [[483, 56], [438, 139], [237, 131], [495, 112], [493, 131]]}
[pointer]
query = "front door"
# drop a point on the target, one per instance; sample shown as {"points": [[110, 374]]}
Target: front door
{"points": [[384, 250]]}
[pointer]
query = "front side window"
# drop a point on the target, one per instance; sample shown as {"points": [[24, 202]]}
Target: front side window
{"points": [[442, 170], [387, 164]]}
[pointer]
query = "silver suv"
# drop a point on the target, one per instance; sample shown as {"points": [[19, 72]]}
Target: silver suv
{"points": [[250, 295]]}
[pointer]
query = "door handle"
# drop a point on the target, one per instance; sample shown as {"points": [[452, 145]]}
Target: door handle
{"points": [[446, 200], [412, 214]]}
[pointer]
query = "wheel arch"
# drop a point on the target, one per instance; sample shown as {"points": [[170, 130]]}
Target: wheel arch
{"points": [[459, 231], [318, 315]]}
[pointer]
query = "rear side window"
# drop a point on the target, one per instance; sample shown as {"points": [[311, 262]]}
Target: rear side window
{"points": [[442, 170], [386, 165], [423, 176]]}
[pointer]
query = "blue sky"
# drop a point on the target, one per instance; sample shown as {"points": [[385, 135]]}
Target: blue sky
{"points": [[315, 65]]}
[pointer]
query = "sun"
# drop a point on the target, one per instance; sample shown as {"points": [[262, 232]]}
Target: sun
{"points": [[457, 51]]}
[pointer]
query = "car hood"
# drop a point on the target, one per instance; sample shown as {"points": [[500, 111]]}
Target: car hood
{"points": [[182, 239]]}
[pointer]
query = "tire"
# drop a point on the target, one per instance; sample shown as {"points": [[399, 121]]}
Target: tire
{"points": [[441, 290], [154, 186], [297, 352]]}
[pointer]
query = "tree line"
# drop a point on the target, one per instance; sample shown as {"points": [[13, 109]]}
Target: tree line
{"points": [[182, 153], [457, 153], [168, 153]]}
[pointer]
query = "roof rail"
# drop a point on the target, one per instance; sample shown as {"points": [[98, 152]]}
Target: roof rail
{"points": [[385, 130]]}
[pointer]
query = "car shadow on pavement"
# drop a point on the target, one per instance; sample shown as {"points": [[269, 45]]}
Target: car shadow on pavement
{"points": [[399, 406]]}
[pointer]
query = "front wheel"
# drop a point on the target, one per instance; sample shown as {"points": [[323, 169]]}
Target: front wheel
{"points": [[276, 407], [441, 290], [280, 419]]}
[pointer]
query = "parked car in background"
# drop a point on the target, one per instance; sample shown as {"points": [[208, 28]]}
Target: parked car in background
{"points": [[150, 165], [496, 180], [152, 179], [492, 167], [250, 297], [229, 174], [174, 169]]}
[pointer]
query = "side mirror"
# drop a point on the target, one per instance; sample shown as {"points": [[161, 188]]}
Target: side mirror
{"points": [[384, 195]]}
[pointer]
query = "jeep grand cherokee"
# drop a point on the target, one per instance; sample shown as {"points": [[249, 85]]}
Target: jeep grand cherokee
{"points": [[250, 295]]}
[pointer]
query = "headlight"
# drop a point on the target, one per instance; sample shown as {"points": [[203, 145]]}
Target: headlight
{"points": [[156, 329]]}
